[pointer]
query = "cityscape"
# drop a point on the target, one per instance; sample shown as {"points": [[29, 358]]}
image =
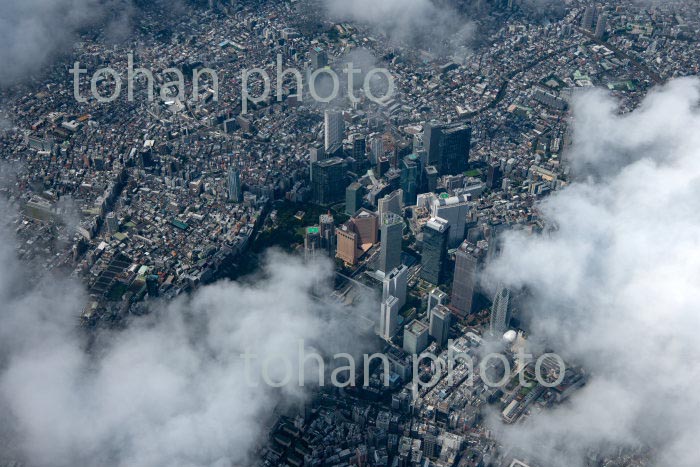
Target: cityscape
{"points": [[332, 233]]}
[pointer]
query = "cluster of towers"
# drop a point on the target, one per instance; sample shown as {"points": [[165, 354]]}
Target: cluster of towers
{"points": [[595, 19]]}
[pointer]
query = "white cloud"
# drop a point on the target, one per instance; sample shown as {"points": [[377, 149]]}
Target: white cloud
{"points": [[32, 31], [616, 285], [170, 389], [423, 23]]}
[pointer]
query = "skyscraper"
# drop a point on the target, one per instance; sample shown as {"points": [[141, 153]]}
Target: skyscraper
{"points": [[235, 190], [447, 147], [429, 443], [587, 19], [231, 125], [382, 166], [434, 250], [333, 128], [440, 318], [464, 280], [312, 243], [436, 297], [431, 143], [455, 149], [347, 243], [377, 149], [359, 147], [327, 232], [395, 284], [500, 312], [319, 58], [410, 179], [430, 175], [494, 175], [366, 226], [389, 317], [601, 25], [328, 181], [112, 223], [317, 153], [353, 198], [415, 337], [454, 209], [356, 236], [392, 235], [393, 202]]}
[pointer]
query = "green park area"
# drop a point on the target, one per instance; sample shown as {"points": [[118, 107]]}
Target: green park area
{"points": [[288, 229]]}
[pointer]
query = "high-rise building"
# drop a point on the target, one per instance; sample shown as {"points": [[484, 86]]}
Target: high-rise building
{"points": [[393, 202], [356, 236], [312, 243], [347, 244], [431, 143], [359, 147], [418, 142], [377, 149], [353, 198], [410, 179], [389, 317], [327, 231], [333, 128], [601, 25], [440, 318], [328, 181], [464, 280], [431, 178], [366, 226], [112, 223], [395, 284], [319, 58], [317, 153], [235, 190], [588, 16], [429, 444], [455, 149], [402, 148], [382, 166], [447, 147], [436, 297], [434, 252], [231, 125], [500, 312], [454, 209], [392, 236], [494, 175], [415, 337]]}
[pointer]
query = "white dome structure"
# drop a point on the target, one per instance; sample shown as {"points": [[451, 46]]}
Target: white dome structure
{"points": [[510, 336]]}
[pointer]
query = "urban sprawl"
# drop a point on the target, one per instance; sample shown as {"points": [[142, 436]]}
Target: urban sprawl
{"points": [[146, 199]]}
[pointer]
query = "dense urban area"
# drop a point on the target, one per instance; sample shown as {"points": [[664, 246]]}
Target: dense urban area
{"points": [[143, 200]]}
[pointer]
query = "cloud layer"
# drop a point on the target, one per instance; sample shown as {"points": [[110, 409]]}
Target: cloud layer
{"points": [[32, 31], [615, 281], [169, 390], [423, 23]]}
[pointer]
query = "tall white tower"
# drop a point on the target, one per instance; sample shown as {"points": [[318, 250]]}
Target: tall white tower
{"points": [[389, 317], [500, 312], [395, 284]]}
